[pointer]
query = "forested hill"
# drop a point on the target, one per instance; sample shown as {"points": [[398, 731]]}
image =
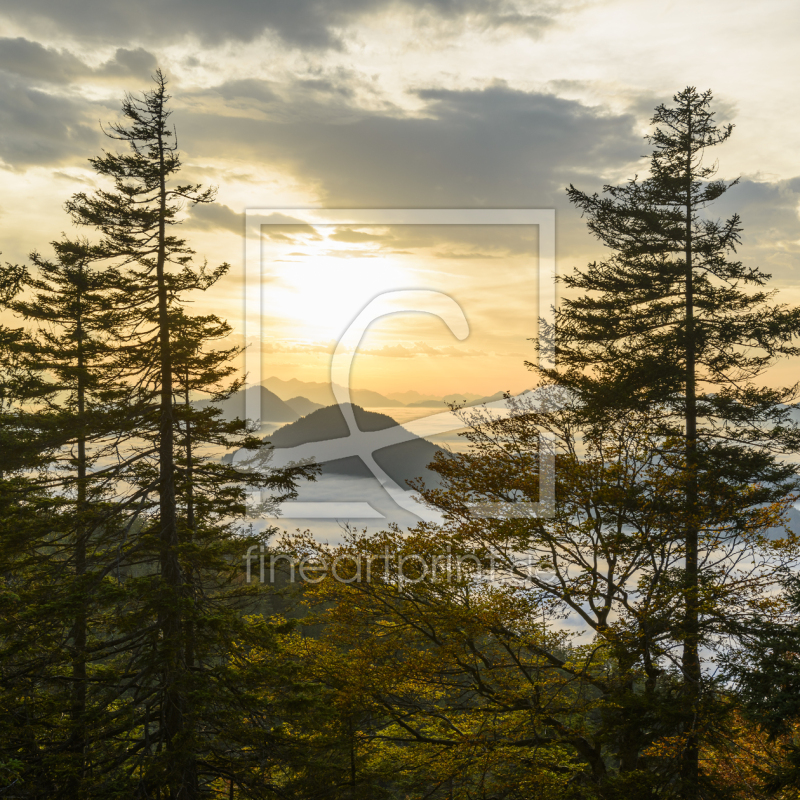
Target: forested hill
{"points": [[401, 462], [325, 424]]}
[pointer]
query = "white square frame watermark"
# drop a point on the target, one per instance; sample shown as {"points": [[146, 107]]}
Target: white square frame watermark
{"points": [[362, 443]]}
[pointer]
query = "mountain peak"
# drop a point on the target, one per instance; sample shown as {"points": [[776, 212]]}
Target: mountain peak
{"points": [[402, 462], [327, 423]]}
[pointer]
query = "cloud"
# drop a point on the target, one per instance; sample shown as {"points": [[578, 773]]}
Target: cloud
{"points": [[32, 60], [357, 237], [496, 147], [284, 227], [351, 253], [492, 147], [138, 63], [391, 351], [303, 23], [35, 62], [462, 256], [283, 347], [249, 89], [216, 216], [39, 128]]}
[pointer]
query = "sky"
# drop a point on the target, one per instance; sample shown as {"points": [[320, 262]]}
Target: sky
{"points": [[368, 104]]}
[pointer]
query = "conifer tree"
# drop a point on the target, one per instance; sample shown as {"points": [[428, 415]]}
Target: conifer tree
{"points": [[184, 612], [87, 414], [672, 321], [87, 422], [27, 516], [134, 219], [20, 443]]}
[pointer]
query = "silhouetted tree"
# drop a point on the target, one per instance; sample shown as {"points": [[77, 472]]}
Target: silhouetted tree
{"points": [[187, 611], [88, 417], [671, 321]]}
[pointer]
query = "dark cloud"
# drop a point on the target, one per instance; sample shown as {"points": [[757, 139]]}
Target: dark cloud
{"points": [[215, 216], [45, 128], [32, 61], [494, 147], [497, 147], [284, 227], [307, 23], [138, 63], [39, 128], [248, 89]]}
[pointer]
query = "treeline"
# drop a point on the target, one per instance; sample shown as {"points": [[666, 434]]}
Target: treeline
{"points": [[637, 638]]}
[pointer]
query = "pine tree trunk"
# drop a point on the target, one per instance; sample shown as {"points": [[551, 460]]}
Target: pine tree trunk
{"points": [[690, 657], [181, 768], [190, 644], [78, 710]]}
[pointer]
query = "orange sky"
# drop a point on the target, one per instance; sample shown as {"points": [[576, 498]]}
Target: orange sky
{"points": [[399, 104]]}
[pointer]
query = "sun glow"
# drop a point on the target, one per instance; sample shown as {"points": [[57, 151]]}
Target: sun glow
{"points": [[314, 296]]}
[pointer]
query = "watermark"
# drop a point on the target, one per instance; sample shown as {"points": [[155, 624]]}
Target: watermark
{"points": [[399, 568], [540, 279]]}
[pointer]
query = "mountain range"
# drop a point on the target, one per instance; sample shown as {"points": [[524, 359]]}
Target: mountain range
{"points": [[322, 394], [286, 401], [302, 405], [273, 409], [414, 398], [458, 399]]}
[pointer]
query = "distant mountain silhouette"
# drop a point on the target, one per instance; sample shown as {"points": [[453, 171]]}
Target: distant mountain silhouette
{"points": [[302, 405], [416, 400], [468, 399], [488, 399], [316, 392], [401, 462], [374, 399], [273, 409], [440, 404], [462, 397], [322, 394]]}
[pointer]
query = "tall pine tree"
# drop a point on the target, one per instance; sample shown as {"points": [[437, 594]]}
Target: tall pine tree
{"points": [[135, 220], [186, 613], [672, 321]]}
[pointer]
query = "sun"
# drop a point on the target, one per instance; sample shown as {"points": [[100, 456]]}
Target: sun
{"points": [[314, 294]]}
